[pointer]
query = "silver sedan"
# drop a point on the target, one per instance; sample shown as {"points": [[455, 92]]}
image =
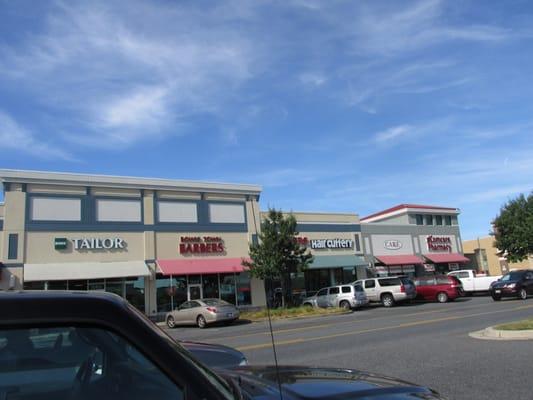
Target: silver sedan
{"points": [[202, 312]]}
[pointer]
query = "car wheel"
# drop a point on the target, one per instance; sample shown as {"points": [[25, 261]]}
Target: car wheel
{"points": [[201, 322], [442, 297], [170, 322], [496, 298], [522, 294], [308, 305], [387, 300], [345, 305]]}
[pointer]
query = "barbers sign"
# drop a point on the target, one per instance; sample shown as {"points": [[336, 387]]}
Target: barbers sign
{"points": [[90, 243], [331, 243]]}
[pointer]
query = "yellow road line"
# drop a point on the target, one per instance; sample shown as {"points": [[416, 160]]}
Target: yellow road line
{"points": [[399, 326], [278, 331]]}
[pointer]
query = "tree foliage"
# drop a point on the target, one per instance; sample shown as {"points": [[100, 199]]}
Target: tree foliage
{"points": [[513, 228], [277, 253]]}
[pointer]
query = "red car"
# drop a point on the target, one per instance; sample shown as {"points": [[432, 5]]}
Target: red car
{"points": [[440, 288]]}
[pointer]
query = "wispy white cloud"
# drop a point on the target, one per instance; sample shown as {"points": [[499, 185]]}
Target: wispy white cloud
{"points": [[392, 133], [500, 193], [15, 137], [313, 79]]}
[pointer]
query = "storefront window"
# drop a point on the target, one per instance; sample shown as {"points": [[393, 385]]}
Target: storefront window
{"points": [[438, 219], [34, 285], [115, 285], [97, 284], [244, 293], [210, 286], [429, 219], [135, 292], [170, 292], [77, 285], [180, 290], [316, 279], [57, 285], [195, 279], [227, 288], [348, 275]]}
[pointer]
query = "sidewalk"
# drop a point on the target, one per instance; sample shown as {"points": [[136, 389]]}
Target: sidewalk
{"points": [[497, 334]]}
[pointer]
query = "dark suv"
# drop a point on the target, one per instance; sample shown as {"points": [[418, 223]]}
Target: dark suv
{"points": [[514, 284]]}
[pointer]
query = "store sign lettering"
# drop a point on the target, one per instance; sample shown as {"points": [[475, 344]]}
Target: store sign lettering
{"points": [[90, 243], [439, 243], [201, 245], [97, 244], [331, 243], [392, 244]]}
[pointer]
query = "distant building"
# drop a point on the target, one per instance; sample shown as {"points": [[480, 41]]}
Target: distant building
{"points": [[484, 256], [413, 239]]}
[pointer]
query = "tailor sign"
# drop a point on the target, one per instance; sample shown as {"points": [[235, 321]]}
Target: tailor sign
{"points": [[90, 243], [331, 244]]}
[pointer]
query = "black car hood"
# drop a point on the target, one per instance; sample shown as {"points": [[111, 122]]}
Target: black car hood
{"points": [[215, 355], [500, 284], [323, 383]]}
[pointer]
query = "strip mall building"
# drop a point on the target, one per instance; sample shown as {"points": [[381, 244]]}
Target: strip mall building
{"points": [[160, 242]]}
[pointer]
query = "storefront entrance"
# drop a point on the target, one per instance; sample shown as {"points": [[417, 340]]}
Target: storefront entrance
{"points": [[194, 292]]}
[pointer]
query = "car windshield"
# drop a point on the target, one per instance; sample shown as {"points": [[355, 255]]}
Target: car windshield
{"points": [[513, 276]]}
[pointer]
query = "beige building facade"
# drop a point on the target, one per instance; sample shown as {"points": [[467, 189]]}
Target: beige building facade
{"points": [[334, 240], [484, 256], [155, 242]]}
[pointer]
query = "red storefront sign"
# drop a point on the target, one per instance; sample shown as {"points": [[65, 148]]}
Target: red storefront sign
{"points": [[201, 245], [439, 243]]}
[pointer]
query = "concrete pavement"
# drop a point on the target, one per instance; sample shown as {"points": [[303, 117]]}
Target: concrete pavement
{"points": [[424, 343]]}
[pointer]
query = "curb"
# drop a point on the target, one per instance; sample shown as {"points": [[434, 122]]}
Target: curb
{"points": [[496, 334]]}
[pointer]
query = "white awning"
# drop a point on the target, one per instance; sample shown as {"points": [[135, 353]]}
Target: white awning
{"points": [[84, 270]]}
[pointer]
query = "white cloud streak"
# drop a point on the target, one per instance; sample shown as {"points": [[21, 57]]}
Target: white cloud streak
{"points": [[15, 137]]}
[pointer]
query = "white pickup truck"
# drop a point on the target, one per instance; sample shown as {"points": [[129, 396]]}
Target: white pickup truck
{"points": [[473, 283]]}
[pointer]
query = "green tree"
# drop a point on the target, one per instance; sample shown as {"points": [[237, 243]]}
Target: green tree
{"points": [[277, 253], [513, 228]]}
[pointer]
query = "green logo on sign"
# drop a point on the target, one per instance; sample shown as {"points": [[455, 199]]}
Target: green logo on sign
{"points": [[60, 243]]}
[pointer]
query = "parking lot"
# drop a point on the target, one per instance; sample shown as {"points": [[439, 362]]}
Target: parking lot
{"points": [[426, 343]]}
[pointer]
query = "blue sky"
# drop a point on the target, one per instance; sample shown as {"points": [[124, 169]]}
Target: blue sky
{"points": [[329, 105]]}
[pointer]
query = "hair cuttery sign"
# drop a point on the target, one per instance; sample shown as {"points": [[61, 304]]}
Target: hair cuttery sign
{"points": [[201, 245]]}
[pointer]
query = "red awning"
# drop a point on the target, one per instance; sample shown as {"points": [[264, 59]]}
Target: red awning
{"points": [[201, 266], [400, 260], [447, 258]]}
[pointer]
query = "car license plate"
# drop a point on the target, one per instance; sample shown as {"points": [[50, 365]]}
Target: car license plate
{"points": [[497, 291], [229, 314]]}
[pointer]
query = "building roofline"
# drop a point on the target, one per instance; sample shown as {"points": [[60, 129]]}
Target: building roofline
{"points": [[316, 213], [69, 178], [401, 207]]}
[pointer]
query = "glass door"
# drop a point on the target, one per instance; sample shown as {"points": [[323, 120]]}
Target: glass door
{"points": [[194, 292]]}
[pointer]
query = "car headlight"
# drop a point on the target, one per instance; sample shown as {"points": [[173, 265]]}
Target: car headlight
{"points": [[243, 362], [510, 285]]}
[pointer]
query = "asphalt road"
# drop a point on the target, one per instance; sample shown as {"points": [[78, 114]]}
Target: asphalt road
{"points": [[424, 343]]}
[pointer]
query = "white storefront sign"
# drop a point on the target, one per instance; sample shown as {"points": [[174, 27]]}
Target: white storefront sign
{"points": [[392, 244], [331, 243], [97, 244]]}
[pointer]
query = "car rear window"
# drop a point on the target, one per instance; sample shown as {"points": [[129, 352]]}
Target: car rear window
{"points": [[390, 282], [215, 302], [334, 290], [406, 281], [425, 281], [443, 280], [346, 289]]}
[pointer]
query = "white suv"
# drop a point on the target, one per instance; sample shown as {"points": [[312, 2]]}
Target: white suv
{"points": [[388, 290], [345, 296]]}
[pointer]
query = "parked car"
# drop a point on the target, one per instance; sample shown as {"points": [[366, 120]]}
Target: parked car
{"points": [[83, 346], [388, 290], [202, 312], [473, 282], [439, 288], [345, 296], [513, 284], [215, 355]]}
